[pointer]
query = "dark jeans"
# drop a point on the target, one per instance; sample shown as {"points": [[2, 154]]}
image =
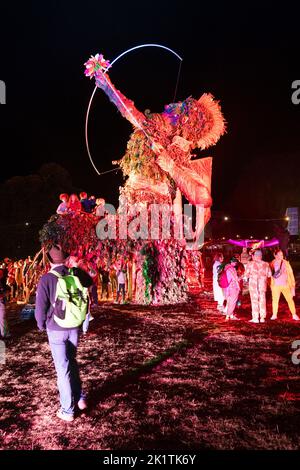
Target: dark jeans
{"points": [[104, 290], [94, 294], [121, 288], [63, 346]]}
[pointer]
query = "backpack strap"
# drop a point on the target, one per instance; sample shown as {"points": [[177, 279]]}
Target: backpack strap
{"points": [[59, 276], [56, 274]]}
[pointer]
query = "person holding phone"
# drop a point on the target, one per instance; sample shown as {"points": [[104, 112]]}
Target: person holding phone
{"points": [[282, 282]]}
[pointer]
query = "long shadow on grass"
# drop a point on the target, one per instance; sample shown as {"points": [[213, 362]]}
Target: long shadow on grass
{"points": [[131, 376]]}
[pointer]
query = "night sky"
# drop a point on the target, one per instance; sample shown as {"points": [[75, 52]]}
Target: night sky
{"points": [[246, 56]]}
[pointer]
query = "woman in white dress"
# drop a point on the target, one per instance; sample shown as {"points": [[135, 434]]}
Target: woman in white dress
{"points": [[218, 291]]}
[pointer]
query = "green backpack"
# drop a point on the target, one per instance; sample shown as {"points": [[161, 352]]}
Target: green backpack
{"points": [[71, 301]]}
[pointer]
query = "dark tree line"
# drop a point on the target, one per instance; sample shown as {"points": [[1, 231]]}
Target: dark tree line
{"points": [[26, 202]]}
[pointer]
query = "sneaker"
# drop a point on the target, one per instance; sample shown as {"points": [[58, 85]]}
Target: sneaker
{"points": [[262, 320], [273, 317], [233, 317], [295, 317], [253, 321], [82, 404], [65, 417]]}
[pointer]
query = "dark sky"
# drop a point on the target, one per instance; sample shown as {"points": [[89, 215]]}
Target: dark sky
{"points": [[247, 56]]}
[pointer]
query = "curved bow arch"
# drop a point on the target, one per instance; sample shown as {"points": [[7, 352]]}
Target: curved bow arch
{"points": [[94, 91]]}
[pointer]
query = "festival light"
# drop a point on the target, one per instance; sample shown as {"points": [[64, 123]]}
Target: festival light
{"points": [[251, 243], [226, 218]]}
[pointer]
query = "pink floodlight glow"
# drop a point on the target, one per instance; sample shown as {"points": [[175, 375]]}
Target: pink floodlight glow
{"points": [[254, 243]]}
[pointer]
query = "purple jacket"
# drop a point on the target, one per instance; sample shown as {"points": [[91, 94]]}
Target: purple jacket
{"points": [[45, 296]]}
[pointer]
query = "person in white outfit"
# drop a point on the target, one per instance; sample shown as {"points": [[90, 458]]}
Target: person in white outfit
{"points": [[121, 276], [217, 290], [258, 272]]}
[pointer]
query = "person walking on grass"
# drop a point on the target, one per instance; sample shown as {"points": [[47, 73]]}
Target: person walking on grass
{"points": [[217, 289], [121, 277], [51, 315], [232, 290], [282, 282], [258, 272], [104, 284], [245, 258]]}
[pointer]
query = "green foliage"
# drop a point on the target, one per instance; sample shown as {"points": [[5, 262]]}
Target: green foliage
{"points": [[140, 158], [51, 232]]}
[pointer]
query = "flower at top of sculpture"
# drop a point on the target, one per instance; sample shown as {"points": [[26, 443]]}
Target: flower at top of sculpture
{"points": [[94, 64]]}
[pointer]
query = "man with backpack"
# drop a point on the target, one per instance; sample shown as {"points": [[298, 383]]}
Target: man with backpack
{"points": [[61, 307]]}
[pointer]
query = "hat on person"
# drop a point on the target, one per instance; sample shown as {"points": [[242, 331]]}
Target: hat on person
{"points": [[234, 260], [57, 255]]}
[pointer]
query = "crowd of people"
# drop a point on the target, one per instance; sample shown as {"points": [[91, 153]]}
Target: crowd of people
{"points": [[19, 278], [245, 273], [249, 272], [73, 204]]}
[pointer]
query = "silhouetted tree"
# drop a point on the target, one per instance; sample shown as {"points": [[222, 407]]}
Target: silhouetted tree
{"points": [[30, 199]]}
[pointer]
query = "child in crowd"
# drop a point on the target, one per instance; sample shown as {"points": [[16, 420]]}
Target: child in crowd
{"points": [[92, 201], [85, 203], [74, 204], [63, 206]]}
